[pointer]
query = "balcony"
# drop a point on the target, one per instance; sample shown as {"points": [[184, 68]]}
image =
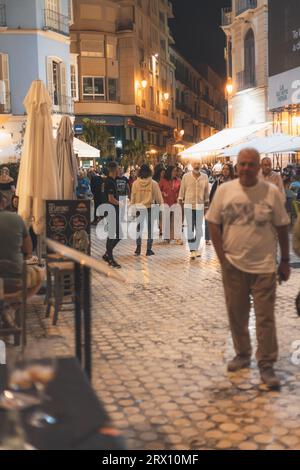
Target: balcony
{"points": [[183, 107], [62, 104], [56, 22], [125, 25], [245, 80], [5, 103], [2, 16], [244, 5], [227, 17]]}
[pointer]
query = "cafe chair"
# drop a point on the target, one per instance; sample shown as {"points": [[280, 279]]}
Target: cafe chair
{"points": [[15, 295], [60, 285]]}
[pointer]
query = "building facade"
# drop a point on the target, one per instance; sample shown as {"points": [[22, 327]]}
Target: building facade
{"points": [[126, 80], [246, 27], [199, 102], [34, 44]]}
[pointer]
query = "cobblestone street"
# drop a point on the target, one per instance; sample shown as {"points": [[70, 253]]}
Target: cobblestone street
{"points": [[160, 347]]}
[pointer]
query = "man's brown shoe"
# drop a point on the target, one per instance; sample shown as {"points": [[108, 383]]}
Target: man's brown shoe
{"points": [[269, 377], [238, 363]]}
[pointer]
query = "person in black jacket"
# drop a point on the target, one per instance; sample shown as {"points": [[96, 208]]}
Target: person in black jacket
{"points": [[226, 175], [96, 188]]}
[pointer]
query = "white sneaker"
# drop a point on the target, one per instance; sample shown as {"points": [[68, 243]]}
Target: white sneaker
{"points": [[193, 255]]}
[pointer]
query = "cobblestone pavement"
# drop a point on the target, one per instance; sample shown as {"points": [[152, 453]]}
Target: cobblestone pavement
{"points": [[160, 347]]}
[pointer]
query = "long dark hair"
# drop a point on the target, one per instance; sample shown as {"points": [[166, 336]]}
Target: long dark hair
{"points": [[157, 172], [231, 170], [145, 172], [168, 173]]}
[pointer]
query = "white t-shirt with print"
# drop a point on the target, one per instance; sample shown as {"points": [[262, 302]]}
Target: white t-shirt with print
{"points": [[248, 216]]}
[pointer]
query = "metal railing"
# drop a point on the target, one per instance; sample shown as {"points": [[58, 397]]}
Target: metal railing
{"points": [[62, 104], [2, 15], [83, 320], [244, 5], [184, 107], [5, 103], [226, 16], [245, 80], [54, 21], [125, 25]]}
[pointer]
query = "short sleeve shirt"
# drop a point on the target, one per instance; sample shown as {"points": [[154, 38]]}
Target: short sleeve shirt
{"points": [[122, 186], [111, 188], [249, 217]]}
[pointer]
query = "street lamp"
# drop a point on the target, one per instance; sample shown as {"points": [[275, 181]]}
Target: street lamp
{"points": [[229, 86], [144, 83]]}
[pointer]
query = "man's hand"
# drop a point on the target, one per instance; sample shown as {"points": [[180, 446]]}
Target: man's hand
{"points": [[284, 271]]}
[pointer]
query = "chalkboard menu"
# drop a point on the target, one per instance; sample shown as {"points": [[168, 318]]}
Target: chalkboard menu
{"points": [[69, 222]]}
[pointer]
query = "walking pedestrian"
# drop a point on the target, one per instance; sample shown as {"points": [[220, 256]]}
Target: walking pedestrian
{"points": [[226, 175], [145, 193], [114, 229], [271, 176], [170, 186], [247, 219], [194, 196]]}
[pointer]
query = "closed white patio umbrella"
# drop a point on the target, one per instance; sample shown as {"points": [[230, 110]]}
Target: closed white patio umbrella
{"points": [[67, 165], [38, 177]]}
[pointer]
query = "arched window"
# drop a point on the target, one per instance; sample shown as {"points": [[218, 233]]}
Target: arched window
{"points": [[249, 48]]}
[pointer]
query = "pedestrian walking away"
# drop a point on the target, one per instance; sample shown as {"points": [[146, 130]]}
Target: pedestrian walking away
{"points": [[145, 194]]}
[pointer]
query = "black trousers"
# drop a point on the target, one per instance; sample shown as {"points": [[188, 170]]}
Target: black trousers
{"points": [[113, 239]]}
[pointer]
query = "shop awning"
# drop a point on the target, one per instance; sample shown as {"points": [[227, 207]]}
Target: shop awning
{"points": [[216, 144], [84, 150], [275, 143], [8, 154]]}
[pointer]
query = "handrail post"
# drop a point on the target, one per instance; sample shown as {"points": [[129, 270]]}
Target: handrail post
{"points": [[78, 296], [87, 321]]}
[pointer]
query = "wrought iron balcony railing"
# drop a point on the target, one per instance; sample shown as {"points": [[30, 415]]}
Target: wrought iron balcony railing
{"points": [[244, 5], [54, 21], [245, 80], [226, 16], [2, 15], [62, 104], [5, 103], [125, 25]]}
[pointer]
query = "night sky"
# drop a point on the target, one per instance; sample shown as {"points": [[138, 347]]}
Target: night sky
{"points": [[197, 32]]}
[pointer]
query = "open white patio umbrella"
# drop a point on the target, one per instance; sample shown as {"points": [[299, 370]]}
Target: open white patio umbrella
{"points": [[67, 165], [38, 177]]}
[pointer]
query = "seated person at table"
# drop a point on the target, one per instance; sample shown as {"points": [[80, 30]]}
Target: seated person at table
{"points": [[15, 244]]}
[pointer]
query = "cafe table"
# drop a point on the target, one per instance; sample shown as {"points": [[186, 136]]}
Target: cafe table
{"points": [[81, 420]]}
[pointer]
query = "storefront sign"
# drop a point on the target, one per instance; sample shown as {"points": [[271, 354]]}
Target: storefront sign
{"points": [[284, 53], [78, 129], [284, 89], [69, 223]]}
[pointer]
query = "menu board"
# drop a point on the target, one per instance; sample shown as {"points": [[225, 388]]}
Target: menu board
{"points": [[69, 223]]}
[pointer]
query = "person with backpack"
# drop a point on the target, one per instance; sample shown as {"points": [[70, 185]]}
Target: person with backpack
{"points": [[145, 193]]}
